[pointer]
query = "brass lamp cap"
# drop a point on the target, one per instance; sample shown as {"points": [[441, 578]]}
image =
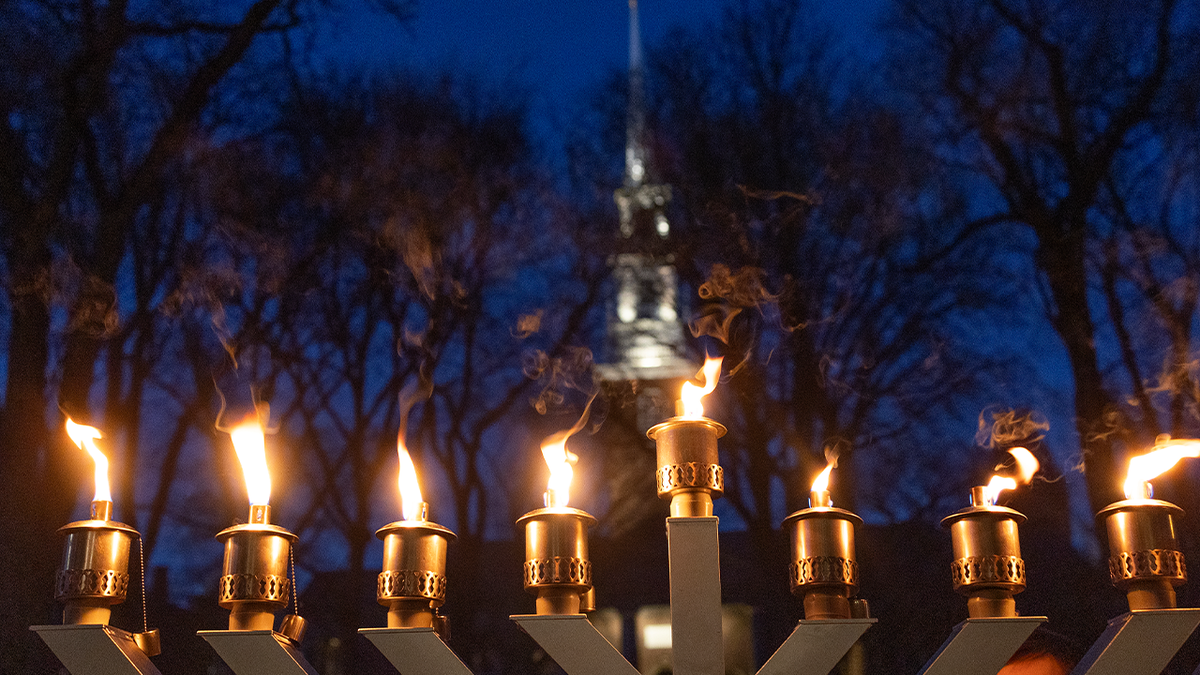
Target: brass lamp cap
{"points": [[263, 528], [587, 518], [420, 525], [671, 422], [993, 511], [823, 512], [109, 525], [1139, 505]]}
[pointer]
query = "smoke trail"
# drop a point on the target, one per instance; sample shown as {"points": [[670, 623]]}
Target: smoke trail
{"points": [[1009, 428], [560, 374]]}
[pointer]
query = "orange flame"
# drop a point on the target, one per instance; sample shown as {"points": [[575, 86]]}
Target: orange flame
{"points": [[85, 438], [997, 485], [561, 461], [1166, 454], [249, 441], [1027, 465], [821, 484], [410, 488], [691, 396]]}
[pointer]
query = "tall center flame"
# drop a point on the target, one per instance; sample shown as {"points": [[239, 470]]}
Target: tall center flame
{"points": [[1166, 454], [250, 443], [691, 396], [1027, 465], [561, 461], [410, 488], [85, 438]]}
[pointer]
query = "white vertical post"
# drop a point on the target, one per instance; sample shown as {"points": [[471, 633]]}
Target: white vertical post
{"points": [[697, 646]]}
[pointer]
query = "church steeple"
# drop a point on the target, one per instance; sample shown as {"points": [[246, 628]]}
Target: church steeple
{"points": [[645, 331], [635, 121], [642, 204]]}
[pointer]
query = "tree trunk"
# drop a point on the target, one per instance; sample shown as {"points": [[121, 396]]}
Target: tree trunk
{"points": [[31, 506], [1062, 260], [351, 616]]}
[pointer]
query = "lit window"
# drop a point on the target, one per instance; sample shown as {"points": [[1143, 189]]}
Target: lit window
{"points": [[657, 636]]}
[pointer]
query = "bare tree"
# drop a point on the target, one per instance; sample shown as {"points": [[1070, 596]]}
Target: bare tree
{"points": [[102, 109], [1044, 108], [835, 286], [403, 247]]}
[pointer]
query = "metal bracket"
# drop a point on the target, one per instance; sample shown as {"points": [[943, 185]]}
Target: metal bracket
{"points": [[981, 646], [96, 649], [415, 651], [697, 645], [1140, 642], [815, 647], [257, 652], [574, 644]]}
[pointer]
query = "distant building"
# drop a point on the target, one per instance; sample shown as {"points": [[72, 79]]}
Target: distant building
{"points": [[645, 357], [645, 336]]}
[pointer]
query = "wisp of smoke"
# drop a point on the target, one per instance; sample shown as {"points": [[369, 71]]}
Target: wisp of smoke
{"points": [[559, 374], [726, 295], [420, 389], [1009, 428]]}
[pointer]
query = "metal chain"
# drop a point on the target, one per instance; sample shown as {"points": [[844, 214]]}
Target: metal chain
{"points": [[142, 560], [295, 594]]}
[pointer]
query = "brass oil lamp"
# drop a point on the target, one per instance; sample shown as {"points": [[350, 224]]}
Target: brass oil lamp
{"points": [[987, 566], [412, 584], [558, 569], [689, 474], [823, 568], [94, 574], [255, 581], [1145, 560]]}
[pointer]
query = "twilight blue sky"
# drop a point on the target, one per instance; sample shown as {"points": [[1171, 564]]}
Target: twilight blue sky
{"points": [[555, 49], [559, 51]]}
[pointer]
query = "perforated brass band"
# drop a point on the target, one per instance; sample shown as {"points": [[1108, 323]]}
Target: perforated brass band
{"points": [[559, 570], [1158, 563], [690, 475], [823, 570], [87, 583], [992, 570], [254, 587], [407, 584]]}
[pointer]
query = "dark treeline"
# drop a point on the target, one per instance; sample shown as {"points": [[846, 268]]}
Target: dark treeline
{"points": [[999, 215]]}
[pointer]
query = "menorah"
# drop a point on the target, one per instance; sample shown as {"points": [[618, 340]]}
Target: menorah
{"points": [[987, 568]]}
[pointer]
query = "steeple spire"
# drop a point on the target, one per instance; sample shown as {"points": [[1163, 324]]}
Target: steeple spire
{"points": [[635, 122], [645, 333]]}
